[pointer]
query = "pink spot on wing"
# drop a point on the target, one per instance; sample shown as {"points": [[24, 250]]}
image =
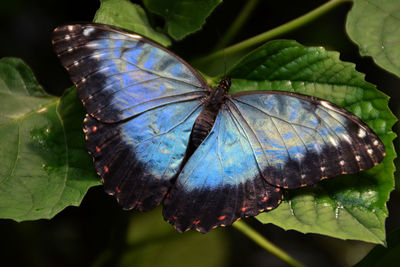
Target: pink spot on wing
{"points": [[139, 203], [106, 170], [264, 199], [277, 189], [94, 129], [98, 149], [245, 208], [196, 222], [174, 217], [220, 218], [117, 189]]}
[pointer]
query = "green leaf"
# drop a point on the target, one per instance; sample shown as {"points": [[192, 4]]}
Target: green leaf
{"points": [[124, 14], [349, 206], [182, 17], [381, 256], [152, 242], [374, 25], [45, 166]]}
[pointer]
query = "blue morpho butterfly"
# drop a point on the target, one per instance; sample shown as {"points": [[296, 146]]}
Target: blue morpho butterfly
{"points": [[159, 134]]}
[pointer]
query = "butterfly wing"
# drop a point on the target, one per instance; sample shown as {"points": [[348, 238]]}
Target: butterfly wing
{"points": [[221, 181], [299, 140], [141, 101], [121, 74], [137, 159], [262, 141]]}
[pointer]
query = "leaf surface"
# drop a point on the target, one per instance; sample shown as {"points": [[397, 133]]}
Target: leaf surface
{"points": [[374, 25], [45, 166], [182, 17], [132, 17]]}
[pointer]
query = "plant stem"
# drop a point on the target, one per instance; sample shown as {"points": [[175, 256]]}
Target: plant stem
{"points": [[265, 243], [261, 38], [237, 25]]}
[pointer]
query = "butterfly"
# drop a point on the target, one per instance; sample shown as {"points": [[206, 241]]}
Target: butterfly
{"points": [[158, 133]]}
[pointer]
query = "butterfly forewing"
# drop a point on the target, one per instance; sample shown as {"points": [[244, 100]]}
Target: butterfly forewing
{"points": [[121, 74], [299, 140]]}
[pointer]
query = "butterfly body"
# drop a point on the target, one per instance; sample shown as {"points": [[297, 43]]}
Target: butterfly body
{"points": [[159, 134], [206, 119]]}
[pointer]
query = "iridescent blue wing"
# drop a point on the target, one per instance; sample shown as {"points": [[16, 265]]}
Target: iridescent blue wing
{"points": [[142, 102], [298, 140], [138, 158], [221, 181], [121, 74]]}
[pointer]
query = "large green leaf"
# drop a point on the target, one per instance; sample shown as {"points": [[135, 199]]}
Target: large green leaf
{"points": [[383, 256], [124, 14], [349, 206], [374, 25], [44, 165], [182, 17]]}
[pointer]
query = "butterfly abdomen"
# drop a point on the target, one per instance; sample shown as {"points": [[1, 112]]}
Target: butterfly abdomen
{"points": [[202, 127]]}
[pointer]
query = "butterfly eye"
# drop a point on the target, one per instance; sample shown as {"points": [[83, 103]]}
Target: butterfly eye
{"points": [[228, 82]]}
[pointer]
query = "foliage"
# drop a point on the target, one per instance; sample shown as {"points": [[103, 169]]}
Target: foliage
{"points": [[46, 168], [375, 27]]}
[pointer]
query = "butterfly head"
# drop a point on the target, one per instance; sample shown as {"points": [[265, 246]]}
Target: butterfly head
{"points": [[225, 83]]}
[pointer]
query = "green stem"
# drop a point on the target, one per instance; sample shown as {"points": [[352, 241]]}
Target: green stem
{"points": [[265, 243], [261, 38], [237, 25]]}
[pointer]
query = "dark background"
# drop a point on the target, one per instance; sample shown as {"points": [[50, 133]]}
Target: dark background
{"points": [[79, 236]]}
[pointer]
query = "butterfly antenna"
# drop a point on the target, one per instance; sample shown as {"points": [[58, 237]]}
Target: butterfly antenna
{"points": [[224, 63]]}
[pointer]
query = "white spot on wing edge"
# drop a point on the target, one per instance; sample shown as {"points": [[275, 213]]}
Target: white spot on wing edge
{"points": [[361, 133], [70, 28], [135, 36], [326, 104], [88, 31]]}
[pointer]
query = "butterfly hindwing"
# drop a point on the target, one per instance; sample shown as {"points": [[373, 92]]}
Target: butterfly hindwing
{"points": [[121, 74], [299, 140], [137, 159], [220, 183]]}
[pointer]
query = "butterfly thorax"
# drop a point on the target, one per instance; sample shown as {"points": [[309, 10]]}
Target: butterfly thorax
{"points": [[217, 96], [206, 119]]}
